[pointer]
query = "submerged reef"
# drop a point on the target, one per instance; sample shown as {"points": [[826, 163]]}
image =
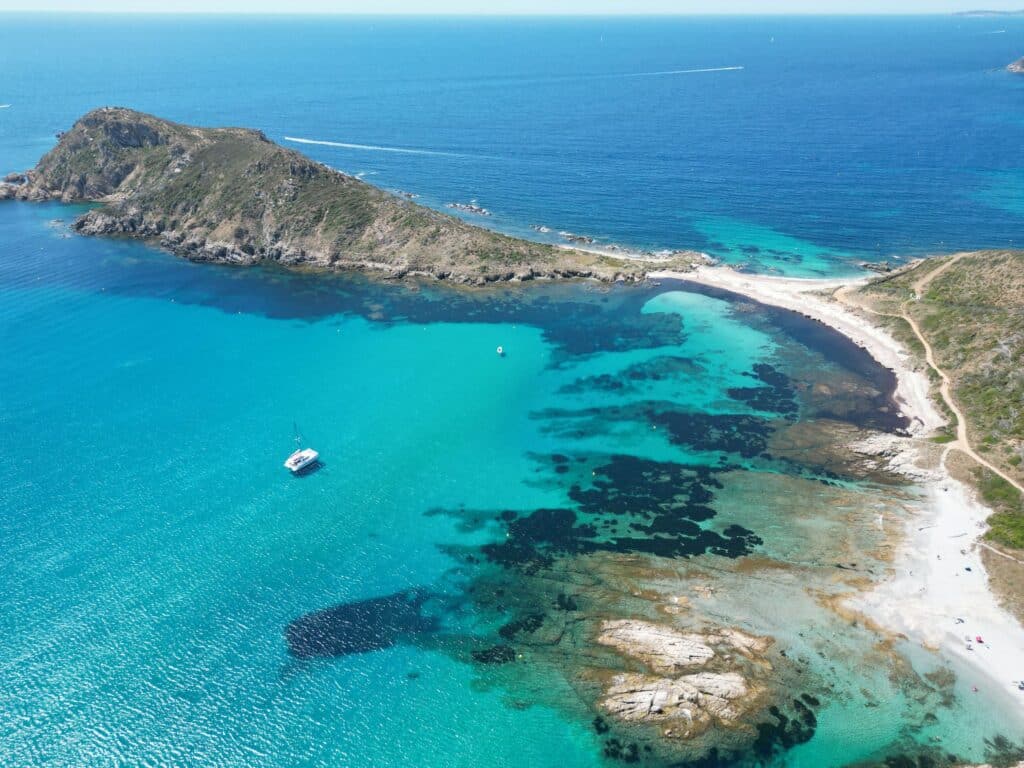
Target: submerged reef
{"points": [[631, 505], [361, 626], [670, 656], [683, 596]]}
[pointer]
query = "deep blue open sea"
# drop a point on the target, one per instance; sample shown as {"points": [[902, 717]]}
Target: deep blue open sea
{"points": [[171, 596], [839, 139]]}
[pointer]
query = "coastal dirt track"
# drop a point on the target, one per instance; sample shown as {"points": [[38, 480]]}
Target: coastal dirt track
{"points": [[930, 584], [962, 441]]}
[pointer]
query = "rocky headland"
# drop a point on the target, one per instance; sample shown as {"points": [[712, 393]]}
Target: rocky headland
{"points": [[231, 196]]}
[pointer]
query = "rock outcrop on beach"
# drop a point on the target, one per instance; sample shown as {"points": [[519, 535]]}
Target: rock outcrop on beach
{"points": [[230, 195], [1017, 67]]}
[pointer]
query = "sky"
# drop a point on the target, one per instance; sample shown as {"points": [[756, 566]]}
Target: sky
{"points": [[501, 7]]}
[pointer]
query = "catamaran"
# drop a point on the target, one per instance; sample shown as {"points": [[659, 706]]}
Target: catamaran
{"points": [[301, 458]]}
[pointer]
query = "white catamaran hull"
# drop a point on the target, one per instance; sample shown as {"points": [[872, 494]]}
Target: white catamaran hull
{"points": [[299, 460]]}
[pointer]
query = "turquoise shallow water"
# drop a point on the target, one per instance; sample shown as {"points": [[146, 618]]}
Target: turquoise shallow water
{"points": [[154, 552], [173, 597], [154, 556]]}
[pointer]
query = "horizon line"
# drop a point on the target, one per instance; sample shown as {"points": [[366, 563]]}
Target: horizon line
{"points": [[494, 15]]}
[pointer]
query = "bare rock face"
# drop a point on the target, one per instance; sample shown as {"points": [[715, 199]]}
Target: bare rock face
{"points": [[22, 186], [693, 681], [663, 649], [750, 646], [696, 701], [667, 650]]}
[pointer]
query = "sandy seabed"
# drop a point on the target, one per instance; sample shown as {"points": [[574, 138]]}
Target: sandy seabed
{"points": [[938, 594]]}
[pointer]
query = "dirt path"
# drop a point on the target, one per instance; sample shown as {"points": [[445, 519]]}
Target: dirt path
{"points": [[962, 442], [1000, 552]]}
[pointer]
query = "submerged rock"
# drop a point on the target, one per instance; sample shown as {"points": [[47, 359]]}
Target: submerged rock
{"points": [[361, 626]]}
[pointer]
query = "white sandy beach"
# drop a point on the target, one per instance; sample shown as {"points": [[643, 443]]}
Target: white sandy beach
{"points": [[931, 586], [807, 296]]}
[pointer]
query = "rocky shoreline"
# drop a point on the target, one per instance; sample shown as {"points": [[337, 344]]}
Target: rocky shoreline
{"points": [[244, 250], [247, 253], [231, 196]]}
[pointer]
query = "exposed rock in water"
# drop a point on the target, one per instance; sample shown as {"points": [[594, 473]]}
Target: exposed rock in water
{"points": [[470, 207], [578, 239], [689, 702], [881, 267], [230, 195], [695, 701], [662, 648], [1017, 67]]}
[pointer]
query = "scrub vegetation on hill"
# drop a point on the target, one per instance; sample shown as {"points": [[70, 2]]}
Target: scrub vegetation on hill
{"points": [[972, 315], [230, 195]]}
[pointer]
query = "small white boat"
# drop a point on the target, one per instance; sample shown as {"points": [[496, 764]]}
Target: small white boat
{"points": [[501, 351], [301, 459]]}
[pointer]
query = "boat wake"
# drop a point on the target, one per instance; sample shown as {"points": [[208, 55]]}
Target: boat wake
{"points": [[680, 72], [373, 147], [4, 106]]}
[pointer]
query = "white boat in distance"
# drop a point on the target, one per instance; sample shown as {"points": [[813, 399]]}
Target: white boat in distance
{"points": [[301, 459]]}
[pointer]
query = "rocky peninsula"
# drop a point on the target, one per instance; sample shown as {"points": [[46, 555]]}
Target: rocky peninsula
{"points": [[231, 196]]}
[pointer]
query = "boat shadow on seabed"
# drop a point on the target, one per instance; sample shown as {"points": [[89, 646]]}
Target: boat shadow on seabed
{"points": [[312, 469]]}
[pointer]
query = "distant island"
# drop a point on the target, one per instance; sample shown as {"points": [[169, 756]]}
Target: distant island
{"points": [[230, 195], [989, 13], [1017, 67]]}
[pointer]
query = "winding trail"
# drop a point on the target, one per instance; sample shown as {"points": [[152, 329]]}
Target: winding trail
{"points": [[939, 588], [962, 441]]}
